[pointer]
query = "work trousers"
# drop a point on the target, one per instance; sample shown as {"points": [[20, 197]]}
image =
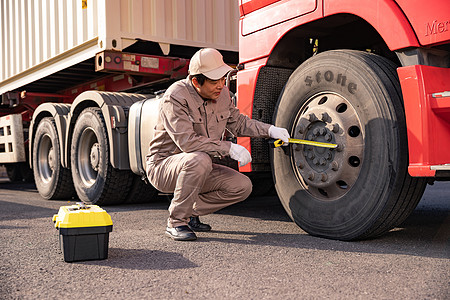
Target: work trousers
{"points": [[199, 186]]}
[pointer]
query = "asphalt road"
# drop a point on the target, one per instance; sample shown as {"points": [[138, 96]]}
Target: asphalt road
{"points": [[253, 252]]}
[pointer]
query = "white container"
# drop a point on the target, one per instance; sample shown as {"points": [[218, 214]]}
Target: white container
{"points": [[41, 37]]}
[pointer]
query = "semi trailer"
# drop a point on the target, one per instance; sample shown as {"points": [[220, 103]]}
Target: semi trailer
{"points": [[71, 72]]}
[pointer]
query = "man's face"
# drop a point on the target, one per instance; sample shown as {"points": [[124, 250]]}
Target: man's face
{"points": [[211, 89]]}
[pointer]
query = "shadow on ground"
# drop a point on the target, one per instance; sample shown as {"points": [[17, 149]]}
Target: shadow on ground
{"points": [[144, 259]]}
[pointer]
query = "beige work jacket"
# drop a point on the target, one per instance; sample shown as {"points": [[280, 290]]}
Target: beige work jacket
{"points": [[187, 123]]}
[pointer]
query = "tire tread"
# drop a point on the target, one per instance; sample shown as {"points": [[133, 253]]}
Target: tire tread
{"points": [[64, 188], [116, 182]]}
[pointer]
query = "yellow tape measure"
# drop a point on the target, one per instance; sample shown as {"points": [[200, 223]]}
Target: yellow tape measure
{"points": [[278, 143]]}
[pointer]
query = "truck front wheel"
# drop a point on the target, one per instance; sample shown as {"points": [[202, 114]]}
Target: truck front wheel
{"points": [[52, 180], [362, 188], [95, 179]]}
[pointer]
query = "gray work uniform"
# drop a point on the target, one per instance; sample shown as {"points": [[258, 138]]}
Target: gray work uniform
{"points": [[188, 133]]}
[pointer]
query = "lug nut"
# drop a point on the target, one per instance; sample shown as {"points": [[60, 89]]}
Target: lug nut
{"points": [[301, 165], [312, 117], [324, 177], [328, 137], [298, 147], [311, 155], [336, 128], [322, 131], [339, 148], [329, 155], [310, 137], [316, 131], [334, 166], [301, 129], [311, 176], [323, 161], [325, 117]]}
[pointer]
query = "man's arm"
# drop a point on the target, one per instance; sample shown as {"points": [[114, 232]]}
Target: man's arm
{"points": [[242, 125]]}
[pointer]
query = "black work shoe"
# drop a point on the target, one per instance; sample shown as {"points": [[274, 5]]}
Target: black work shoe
{"points": [[196, 225], [181, 233]]}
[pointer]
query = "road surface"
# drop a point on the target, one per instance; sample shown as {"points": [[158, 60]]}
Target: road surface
{"points": [[253, 252]]}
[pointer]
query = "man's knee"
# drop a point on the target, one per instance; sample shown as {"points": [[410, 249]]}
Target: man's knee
{"points": [[243, 186], [198, 161]]}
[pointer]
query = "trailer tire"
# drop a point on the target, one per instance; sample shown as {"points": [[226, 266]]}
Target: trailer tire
{"points": [[13, 172], [26, 172], [95, 179], [361, 189], [262, 183], [52, 180], [140, 192]]}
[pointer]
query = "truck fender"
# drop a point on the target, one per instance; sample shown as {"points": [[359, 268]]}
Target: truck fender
{"points": [[114, 107], [384, 15], [59, 111]]}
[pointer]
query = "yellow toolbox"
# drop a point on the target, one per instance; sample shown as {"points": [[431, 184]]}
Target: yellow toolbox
{"points": [[85, 231]]}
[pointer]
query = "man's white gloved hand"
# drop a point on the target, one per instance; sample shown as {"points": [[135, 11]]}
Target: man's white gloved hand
{"points": [[239, 153], [279, 133]]}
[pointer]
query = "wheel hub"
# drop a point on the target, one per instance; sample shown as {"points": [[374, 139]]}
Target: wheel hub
{"points": [[51, 159], [318, 158], [46, 162], [328, 173], [95, 156]]}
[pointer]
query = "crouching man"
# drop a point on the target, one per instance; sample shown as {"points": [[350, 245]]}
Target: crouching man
{"points": [[193, 116]]}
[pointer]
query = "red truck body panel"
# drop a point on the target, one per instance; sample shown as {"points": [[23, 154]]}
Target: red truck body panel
{"points": [[261, 30], [427, 117], [430, 19], [384, 15], [247, 6]]}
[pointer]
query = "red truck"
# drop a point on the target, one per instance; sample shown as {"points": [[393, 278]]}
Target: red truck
{"points": [[370, 76]]}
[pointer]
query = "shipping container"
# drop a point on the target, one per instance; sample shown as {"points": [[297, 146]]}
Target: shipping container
{"points": [[42, 37]]}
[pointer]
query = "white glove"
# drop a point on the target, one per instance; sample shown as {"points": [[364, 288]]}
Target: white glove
{"points": [[279, 133], [241, 154]]}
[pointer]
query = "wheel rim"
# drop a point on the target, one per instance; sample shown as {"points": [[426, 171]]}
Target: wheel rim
{"points": [[325, 173], [88, 157], [46, 159]]}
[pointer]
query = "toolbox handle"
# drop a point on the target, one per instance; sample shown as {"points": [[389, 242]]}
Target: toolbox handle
{"points": [[82, 205]]}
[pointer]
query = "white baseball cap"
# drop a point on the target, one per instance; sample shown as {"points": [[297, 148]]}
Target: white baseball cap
{"points": [[209, 62]]}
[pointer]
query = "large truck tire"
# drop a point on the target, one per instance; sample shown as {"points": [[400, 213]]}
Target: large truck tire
{"points": [[141, 192], [26, 172], [95, 179], [13, 172], [52, 180], [362, 188], [262, 184]]}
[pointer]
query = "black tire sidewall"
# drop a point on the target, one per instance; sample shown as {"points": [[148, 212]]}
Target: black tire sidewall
{"points": [[89, 118], [351, 214], [13, 172], [46, 127]]}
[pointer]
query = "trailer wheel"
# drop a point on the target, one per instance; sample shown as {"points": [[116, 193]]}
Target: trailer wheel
{"points": [[13, 172], [140, 192], [362, 188], [95, 179], [52, 180]]}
